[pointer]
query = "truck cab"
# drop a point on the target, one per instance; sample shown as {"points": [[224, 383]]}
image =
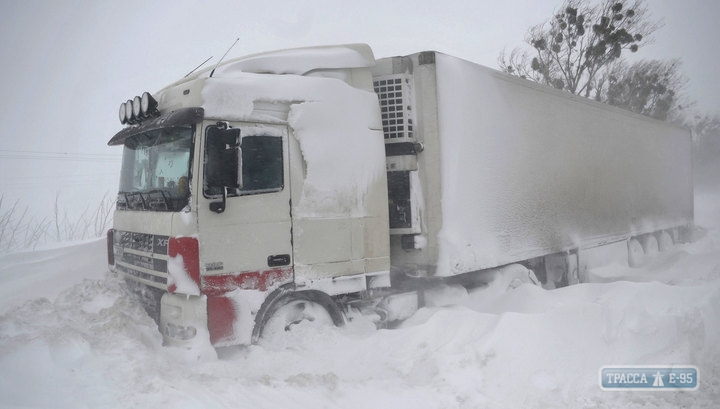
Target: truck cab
{"points": [[254, 186]]}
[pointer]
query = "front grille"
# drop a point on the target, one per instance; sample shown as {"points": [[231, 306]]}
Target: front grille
{"points": [[149, 243], [150, 263], [142, 257], [129, 271]]}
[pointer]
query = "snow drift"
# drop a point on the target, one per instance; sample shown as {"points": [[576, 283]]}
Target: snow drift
{"points": [[89, 344]]}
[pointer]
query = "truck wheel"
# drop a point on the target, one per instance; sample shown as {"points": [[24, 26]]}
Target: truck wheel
{"points": [[650, 244], [513, 276], [636, 254], [289, 310], [665, 241]]}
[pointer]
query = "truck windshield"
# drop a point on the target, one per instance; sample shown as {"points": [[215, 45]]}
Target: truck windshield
{"points": [[155, 170]]}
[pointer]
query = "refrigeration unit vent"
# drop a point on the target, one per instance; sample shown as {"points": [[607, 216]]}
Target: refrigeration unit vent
{"points": [[393, 93]]}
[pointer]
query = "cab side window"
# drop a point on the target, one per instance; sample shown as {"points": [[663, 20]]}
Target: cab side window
{"points": [[262, 164]]}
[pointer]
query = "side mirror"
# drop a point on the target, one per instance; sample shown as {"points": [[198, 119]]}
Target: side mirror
{"points": [[222, 163]]}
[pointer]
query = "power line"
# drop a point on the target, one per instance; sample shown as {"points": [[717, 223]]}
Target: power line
{"points": [[58, 181], [58, 153], [49, 155]]}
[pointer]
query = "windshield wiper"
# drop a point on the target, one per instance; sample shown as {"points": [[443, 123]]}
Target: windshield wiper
{"points": [[154, 202], [157, 199], [122, 203], [131, 201]]}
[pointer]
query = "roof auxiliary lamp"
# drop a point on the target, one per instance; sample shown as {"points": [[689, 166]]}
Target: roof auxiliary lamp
{"points": [[138, 109]]}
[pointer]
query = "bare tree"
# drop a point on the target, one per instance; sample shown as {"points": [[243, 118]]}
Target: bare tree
{"points": [[706, 147], [572, 48], [17, 229], [102, 218], [90, 223], [20, 231], [649, 87]]}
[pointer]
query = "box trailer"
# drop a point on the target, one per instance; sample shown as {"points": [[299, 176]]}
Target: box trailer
{"points": [[487, 169], [303, 184]]}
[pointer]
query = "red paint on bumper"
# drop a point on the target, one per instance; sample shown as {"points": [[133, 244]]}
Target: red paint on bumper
{"points": [[222, 312]]}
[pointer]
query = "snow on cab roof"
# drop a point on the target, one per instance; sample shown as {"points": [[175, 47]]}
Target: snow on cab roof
{"points": [[300, 61]]}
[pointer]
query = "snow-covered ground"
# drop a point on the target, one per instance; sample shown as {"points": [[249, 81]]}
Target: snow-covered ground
{"points": [[70, 337]]}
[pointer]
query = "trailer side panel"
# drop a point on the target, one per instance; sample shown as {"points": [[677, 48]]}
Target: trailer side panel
{"points": [[514, 170]]}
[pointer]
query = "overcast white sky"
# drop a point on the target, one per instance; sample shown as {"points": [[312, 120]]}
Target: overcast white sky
{"points": [[68, 64]]}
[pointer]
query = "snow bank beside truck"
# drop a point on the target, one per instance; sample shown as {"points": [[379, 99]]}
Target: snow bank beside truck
{"points": [[93, 346]]}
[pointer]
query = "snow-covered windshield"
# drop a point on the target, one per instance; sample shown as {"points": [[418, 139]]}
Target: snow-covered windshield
{"points": [[155, 170]]}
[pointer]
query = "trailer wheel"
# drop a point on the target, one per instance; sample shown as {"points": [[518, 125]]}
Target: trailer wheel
{"points": [[513, 276], [650, 244], [665, 241], [290, 309], [636, 254]]}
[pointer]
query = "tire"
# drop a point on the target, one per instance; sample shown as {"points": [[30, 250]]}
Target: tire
{"points": [[290, 309], [514, 275], [636, 253], [650, 244], [665, 241]]}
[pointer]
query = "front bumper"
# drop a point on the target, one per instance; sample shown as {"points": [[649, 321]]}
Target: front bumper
{"points": [[183, 319]]}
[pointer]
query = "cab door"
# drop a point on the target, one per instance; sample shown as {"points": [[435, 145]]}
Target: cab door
{"points": [[246, 243]]}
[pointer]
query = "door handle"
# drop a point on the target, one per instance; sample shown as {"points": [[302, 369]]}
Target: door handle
{"points": [[278, 260]]}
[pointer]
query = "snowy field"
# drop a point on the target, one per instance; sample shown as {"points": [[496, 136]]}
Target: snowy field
{"points": [[70, 337]]}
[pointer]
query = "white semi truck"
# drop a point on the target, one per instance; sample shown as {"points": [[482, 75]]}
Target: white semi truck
{"points": [[302, 184]]}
